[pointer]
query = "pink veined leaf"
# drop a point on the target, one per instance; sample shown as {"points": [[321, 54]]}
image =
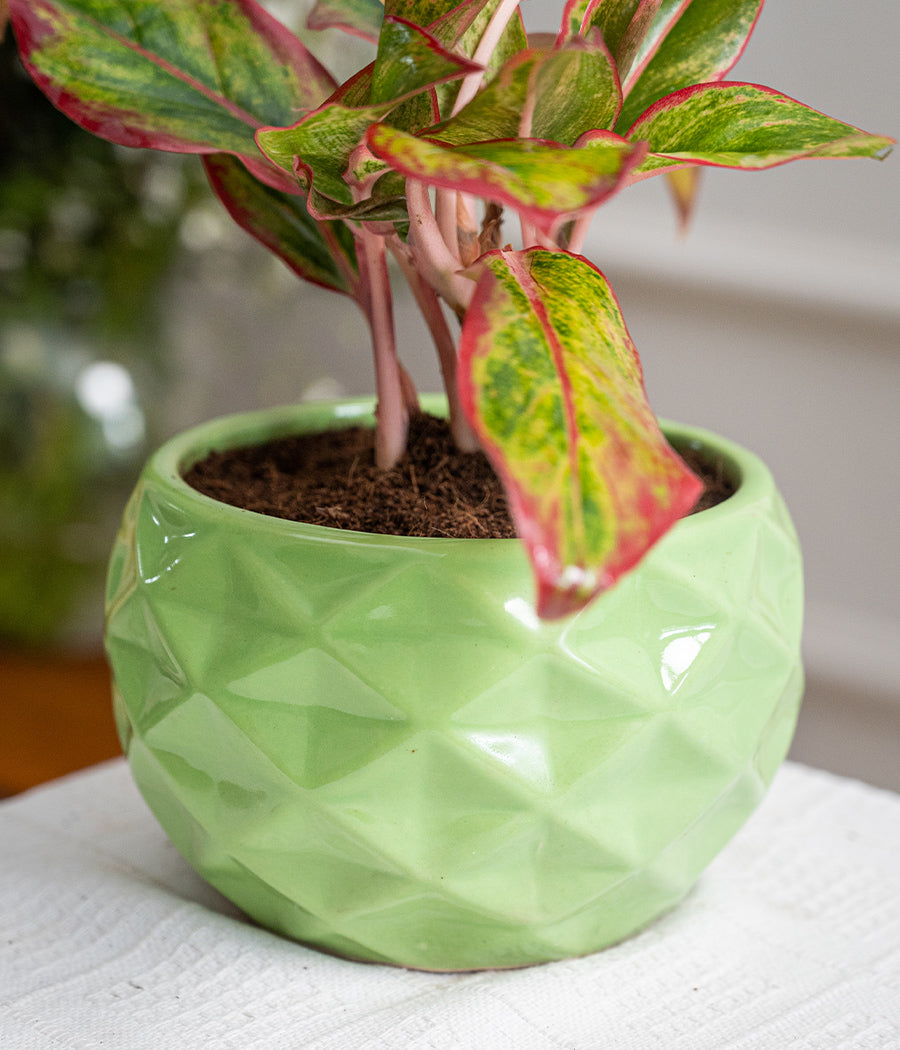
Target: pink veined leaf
{"points": [[180, 78], [462, 27], [552, 385], [576, 18]]}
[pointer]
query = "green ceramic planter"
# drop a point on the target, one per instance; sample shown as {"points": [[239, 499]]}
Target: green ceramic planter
{"points": [[370, 745]]}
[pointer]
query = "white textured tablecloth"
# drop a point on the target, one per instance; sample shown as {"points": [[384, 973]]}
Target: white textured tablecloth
{"points": [[108, 940]]}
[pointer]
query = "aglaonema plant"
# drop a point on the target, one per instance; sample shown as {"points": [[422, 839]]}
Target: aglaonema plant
{"points": [[459, 118]]}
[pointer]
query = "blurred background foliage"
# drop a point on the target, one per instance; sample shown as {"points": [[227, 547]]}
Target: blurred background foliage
{"points": [[89, 234]]}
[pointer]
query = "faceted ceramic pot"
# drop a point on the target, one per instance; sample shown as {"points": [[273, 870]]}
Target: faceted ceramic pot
{"points": [[371, 745]]}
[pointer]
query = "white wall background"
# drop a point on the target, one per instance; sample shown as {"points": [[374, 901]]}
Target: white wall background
{"points": [[776, 322]]}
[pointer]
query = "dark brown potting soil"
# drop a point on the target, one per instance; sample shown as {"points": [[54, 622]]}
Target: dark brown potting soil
{"points": [[331, 479]]}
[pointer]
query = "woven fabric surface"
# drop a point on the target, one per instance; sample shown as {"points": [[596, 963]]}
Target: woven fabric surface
{"points": [[791, 941]]}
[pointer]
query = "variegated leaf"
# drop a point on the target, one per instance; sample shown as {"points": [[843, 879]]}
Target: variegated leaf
{"points": [[542, 180], [461, 29], [410, 59], [565, 91], [734, 125], [477, 14], [318, 148], [180, 77], [386, 202], [552, 384], [623, 24], [693, 42], [360, 18], [322, 253], [576, 18]]}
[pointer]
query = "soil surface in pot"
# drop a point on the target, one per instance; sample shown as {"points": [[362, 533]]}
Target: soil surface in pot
{"points": [[330, 478]]}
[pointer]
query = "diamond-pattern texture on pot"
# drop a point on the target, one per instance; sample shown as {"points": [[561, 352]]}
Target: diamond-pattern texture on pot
{"points": [[371, 745]]}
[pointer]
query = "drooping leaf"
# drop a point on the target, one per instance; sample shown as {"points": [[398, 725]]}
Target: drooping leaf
{"points": [[689, 43], [322, 253], [180, 75], [386, 202], [409, 59], [542, 180], [734, 125], [566, 90], [360, 18], [552, 384], [683, 184]]}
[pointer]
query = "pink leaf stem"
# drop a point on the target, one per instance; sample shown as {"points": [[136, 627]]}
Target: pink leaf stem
{"points": [[445, 344], [445, 214], [486, 47], [392, 416], [579, 231], [436, 262]]}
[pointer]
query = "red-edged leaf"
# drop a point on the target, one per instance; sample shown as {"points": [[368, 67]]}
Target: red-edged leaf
{"points": [[565, 90], [184, 76], [544, 181], [461, 29], [624, 25], [322, 253], [733, 125], [410, 59], [689, 42], [552, 384], [360, 18], [318, 148]]}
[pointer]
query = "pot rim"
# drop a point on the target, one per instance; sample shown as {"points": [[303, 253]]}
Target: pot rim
{"points": [[751, 476]]}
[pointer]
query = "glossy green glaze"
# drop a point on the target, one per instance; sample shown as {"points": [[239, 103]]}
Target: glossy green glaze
{"points": [[371, 745]]}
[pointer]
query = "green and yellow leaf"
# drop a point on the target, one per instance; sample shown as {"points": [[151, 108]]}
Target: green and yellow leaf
{"points": [[318, 148], [360, 18], [409, 59], [733, 125], [565, 91], [623, 24], [552, 384], [542, 180], [689, 42], [194, 76]]}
